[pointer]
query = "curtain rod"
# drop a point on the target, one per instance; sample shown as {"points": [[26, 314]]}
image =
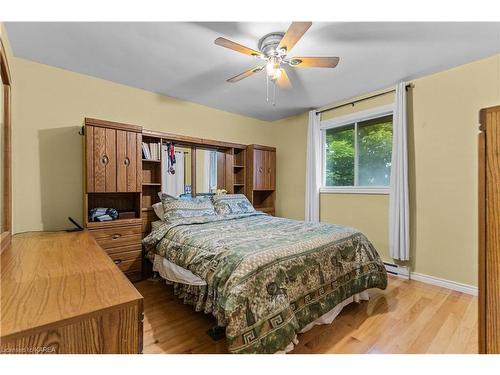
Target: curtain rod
{"points": [[326, 109]]}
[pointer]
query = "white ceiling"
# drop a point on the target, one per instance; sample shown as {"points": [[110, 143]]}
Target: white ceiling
{"points": [[180, 59]]}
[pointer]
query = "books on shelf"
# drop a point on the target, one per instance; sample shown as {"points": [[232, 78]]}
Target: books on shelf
{"points": [[151, 151]]}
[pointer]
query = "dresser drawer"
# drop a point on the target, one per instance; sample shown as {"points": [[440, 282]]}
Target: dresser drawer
{"points": [[118, 236]]}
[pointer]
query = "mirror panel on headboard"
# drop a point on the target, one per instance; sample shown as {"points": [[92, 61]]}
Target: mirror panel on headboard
{"points": [[177, 178], [210, 167]]}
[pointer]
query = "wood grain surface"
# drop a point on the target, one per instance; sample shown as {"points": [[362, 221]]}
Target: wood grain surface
{"points": [[51, 280], [489, 230]]}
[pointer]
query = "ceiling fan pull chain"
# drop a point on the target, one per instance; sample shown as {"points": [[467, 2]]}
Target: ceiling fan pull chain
{"points": [[267, 88], [274, 93]]}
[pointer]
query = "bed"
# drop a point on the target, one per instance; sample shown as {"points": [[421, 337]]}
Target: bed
{"points": [[265, 278]]}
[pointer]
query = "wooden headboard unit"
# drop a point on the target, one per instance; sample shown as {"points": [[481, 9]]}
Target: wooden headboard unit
{"points": [[117, 176]]}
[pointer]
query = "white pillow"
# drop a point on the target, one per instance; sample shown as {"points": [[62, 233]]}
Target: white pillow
{"points": [[158, 208]]}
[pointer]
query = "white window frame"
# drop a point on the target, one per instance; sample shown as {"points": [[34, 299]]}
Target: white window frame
{"points": [[341, 121]]}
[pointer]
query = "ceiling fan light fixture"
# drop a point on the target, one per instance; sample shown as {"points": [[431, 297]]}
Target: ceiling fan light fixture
{"points": [[273, 68]]}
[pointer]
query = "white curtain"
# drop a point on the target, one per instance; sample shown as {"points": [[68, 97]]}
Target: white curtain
{"points": [[173, 184], [313, 168], [399, 221]]}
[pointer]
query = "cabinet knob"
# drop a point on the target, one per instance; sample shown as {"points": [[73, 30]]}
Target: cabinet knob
{"points": [[104, 159], [260, 169], [116, 236], [126, 161], [117, 261]]}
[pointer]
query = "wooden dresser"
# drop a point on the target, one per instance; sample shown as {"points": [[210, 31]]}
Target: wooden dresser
{"points": [[61, 293], [113, 179]]}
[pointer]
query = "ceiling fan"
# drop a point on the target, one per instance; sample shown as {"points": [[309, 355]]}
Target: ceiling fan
{"points": [[273, 50]]}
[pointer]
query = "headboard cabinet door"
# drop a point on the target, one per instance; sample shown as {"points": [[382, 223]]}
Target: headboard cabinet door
{"points": [[113, 160]]}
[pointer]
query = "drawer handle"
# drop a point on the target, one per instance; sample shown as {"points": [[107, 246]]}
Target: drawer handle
{"points": [[126, 161], [105, 159], [117, 261], [116, 236]]}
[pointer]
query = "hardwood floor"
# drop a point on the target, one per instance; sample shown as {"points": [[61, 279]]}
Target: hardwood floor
{"points": [[407, 317]]}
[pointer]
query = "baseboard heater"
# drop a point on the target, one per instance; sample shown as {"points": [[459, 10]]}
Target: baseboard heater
{"points": [[399, 271]]}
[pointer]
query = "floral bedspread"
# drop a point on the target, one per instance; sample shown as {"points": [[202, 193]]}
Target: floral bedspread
{"points": [[267, 277]]}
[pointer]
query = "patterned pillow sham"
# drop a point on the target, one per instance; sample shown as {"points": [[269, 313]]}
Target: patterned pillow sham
{"points": [[231, 204], [181, 208]]}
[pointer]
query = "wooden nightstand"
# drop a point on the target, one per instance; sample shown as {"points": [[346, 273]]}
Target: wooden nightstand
{"points": [[121, 240]]}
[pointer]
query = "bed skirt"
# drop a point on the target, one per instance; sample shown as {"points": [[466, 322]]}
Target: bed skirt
{"points": [[192, 293], [326, 318]]}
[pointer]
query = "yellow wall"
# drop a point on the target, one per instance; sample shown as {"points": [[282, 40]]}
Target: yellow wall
{"points": [[49, 105], [290, 141], [443, 128]]}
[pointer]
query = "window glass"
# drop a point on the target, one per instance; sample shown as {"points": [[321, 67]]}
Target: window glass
{"points": [[359, 154], [375, 151], [339, 155]]}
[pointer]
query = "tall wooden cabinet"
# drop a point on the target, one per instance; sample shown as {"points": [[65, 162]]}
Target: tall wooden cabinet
{"points": [[113, 179], [113, 157], [261, 177], [489, 231]]}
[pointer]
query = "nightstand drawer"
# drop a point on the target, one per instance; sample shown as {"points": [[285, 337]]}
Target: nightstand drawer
{"points": [[118, 236], [128, 266], [123, 249], [122, 257]]}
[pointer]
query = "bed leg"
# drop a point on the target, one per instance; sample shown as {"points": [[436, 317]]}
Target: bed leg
{"points": [[217, 333], [155, 276]]}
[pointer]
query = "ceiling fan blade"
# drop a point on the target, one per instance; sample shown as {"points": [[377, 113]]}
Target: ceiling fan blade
{"points": [[293, 34], [223, 42], [283, 81], [314, 62], [245, 74]]}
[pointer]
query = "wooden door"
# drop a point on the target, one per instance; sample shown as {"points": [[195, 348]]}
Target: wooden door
{"points": [[259, 164], [271, 169], [134, 154], [100, 159], [121, 156], [128, 155], [489, 231]]}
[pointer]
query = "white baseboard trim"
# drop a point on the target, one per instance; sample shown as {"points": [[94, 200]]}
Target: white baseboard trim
{"points": [[453, 285]]}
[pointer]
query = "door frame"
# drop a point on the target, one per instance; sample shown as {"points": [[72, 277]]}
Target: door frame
{"points": [[6, 235]]}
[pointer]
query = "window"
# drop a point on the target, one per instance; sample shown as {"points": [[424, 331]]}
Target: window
{"points": [[357, 154]]}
